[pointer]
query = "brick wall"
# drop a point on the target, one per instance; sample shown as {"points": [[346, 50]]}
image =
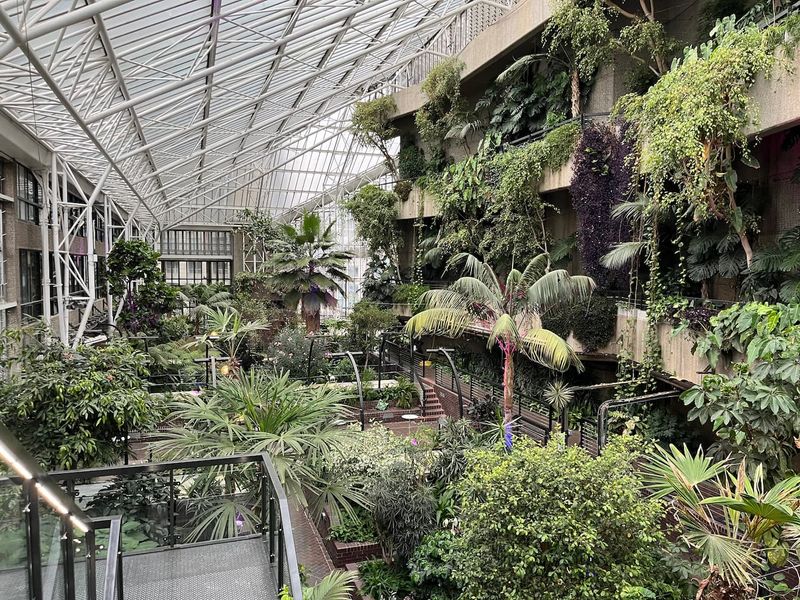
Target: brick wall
{"points": [[344, 553]]}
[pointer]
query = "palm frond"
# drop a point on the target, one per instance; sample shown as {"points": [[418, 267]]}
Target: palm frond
{"points": [[337, 585], [449, 322], [622, 254], [549, 349], [559, 287]]}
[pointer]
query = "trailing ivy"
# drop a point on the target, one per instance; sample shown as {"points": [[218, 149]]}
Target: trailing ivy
{"points": [[444, 107], [592, 324], [375, 213], [601, 179], [490, 202]]}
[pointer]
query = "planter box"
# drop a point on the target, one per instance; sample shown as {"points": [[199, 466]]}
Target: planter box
{"points": [[344, 553]]}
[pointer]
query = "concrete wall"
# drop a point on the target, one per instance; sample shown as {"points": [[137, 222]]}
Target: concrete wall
{"points": [[418, 198]]}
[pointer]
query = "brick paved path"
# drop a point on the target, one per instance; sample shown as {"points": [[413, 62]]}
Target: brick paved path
{"points": [[311, 553]]}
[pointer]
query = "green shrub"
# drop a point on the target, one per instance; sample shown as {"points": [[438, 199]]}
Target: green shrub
{"points": [[404, 510], [173, 327], [375, 214], [409, 293], [289, 352], [432, 566], [356, 527], [593, 324], [382, 581], [402, 189], [72, 407], [411, 161], [537, 522]]}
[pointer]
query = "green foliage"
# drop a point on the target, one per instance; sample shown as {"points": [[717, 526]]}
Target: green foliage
{"points": [[131, 261], [775, 272], [404, 510], [375, 214], [432, 566], [444, 107], [383, 581], [355, 527], [372, 126], [754, 410], [409, 293], [691, 125], [297, 425], [338, 585], [540, 515], [381, 278], [592, 323], [411, 162], [143, 499], [310, 268], [733, 521], [529, 95], [71, 408], [402, 395], [366, 323], [490, 202], [402, 189], [289, 353], [453, 440]]}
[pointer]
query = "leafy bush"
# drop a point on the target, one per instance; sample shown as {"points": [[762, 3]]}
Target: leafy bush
{"points": [[402, 395], [355, 527], [404, 510], [754, 410], [484, 411], [402, 189], [380, 280], [289, 352], [366, 322], [375, 213], [593, 324], [432, 566], [409, 293], [540, 515], [173, 327], [411, 161], [452, 442], [71, 408], [382, 581]]}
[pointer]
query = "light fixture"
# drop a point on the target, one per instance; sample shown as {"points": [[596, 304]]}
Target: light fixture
{"points": [[14, 463], [79, 524], [52, 499]]}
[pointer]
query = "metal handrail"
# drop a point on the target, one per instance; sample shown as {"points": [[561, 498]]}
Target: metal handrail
{"points": [[602, 411], [281, 549]]}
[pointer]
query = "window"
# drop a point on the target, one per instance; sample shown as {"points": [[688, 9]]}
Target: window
{"points": [[30, 282], [190, 272], [78, 275], [75, 214], [6, 167], [196, 243], [99, 226], [29, 196]]}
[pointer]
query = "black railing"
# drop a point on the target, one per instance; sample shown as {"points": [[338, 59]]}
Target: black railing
{"points": [[265, 498]]}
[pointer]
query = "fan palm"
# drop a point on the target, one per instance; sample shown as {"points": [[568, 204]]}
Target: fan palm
{"points": [[226, 327], [295, 424], [510, 312], [197, 300], [310, 269], [733, 521]]}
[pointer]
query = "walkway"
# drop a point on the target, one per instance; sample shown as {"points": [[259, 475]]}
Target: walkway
{"points": [[311, 554], [235, 570]]}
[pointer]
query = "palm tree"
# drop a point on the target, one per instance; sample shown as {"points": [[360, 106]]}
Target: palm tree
{"points": [[198, 299], [227, 328], [310, 268], [260, 412], [732, 520], [510, 312]]}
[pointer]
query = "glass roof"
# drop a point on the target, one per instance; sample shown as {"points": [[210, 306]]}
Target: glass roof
{"points": [[200, 108]]}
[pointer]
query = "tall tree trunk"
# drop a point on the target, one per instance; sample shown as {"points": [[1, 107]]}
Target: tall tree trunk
{"points": [[748, 249], [508, 385], [576, 93], [312, 320]]}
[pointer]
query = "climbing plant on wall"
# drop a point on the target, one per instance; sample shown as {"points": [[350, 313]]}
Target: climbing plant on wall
{"points": [[444, 107], [601, 179]]}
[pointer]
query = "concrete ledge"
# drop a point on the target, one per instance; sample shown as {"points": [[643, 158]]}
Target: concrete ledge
{"points": [[410, 209], [777, 98], [517, 26]]}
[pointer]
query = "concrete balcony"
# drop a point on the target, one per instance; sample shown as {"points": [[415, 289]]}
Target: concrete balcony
{"points": [[420, 203], [513, 29]]}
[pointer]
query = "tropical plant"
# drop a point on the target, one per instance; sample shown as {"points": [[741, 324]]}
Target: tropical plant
{"points": [[508, 313], [375, 214], [74, 408], [383, 581], [754, 410], [295, 424], [579, 37], [366, 323], [410, 161], [310, 268], [291, 351], [775, 271], [337, 585], [404, 510], [372, 126], [227, 329], [198, 299], [734, 522], [592, 323], [444, 108], [433, 564], [538, 515]]}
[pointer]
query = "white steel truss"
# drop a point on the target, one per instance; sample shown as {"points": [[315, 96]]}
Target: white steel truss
{"points": [[188, 111]]}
